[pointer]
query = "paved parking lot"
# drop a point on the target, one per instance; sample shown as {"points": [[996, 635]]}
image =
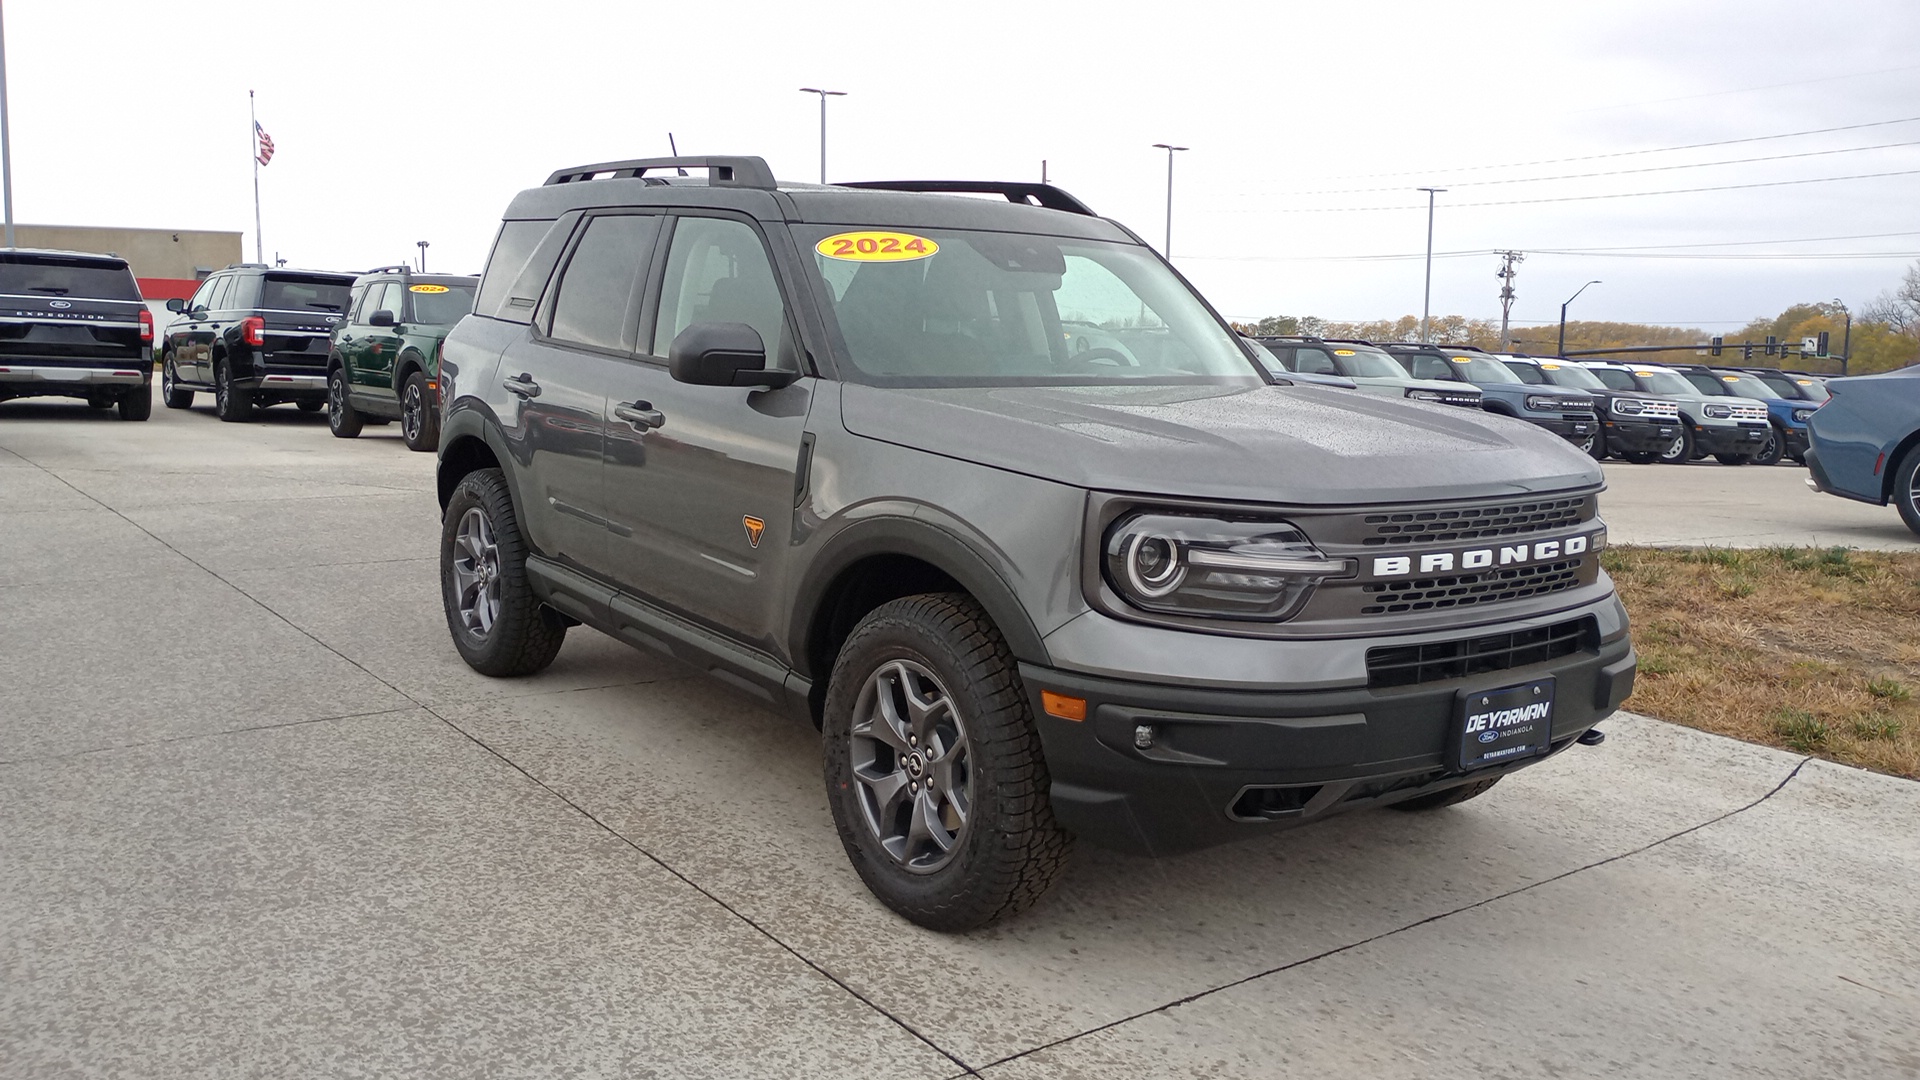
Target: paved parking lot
{"points": [[1741, 506], [257, 819]]}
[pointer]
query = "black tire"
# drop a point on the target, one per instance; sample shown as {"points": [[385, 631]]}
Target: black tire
{"points": [[171, 392], [1450, 797], [1906, 489], [1641, 457], [342, 418], [1680, 451], [1007, 851], [1733, 459], [1799, 459], [523, 635], [100, 403], [1775, 449], [229, 404], [419, 420], [1595, 445], [137, 403], [308, 405]]}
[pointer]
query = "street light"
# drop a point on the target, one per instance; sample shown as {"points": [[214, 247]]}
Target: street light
{"points": [[1166, 249], [1562, 350], [6, 151], [422, 245], [1426, 301], [824, 95]]}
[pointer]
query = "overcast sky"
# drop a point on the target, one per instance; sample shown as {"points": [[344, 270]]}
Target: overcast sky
{"points": [[397, 122]]}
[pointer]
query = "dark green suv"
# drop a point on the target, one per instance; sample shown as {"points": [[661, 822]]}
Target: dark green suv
{"points": [[384, 359]]}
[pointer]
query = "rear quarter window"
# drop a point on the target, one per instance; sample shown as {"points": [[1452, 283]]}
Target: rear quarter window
{"points": [[518, 269], [52, 276]]}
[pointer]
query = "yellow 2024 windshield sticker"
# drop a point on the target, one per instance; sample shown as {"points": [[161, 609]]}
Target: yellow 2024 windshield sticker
{"points": [[426, 288], [876, 245]]}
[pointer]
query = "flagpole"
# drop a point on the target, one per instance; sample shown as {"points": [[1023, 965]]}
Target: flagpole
{"points": [[253, 136]]}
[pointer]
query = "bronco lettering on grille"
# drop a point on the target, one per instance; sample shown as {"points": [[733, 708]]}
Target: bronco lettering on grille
{"points": [[1441, 562]]}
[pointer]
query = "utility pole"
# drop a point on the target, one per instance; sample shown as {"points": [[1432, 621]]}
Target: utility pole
{"points": [[6, 147], [1506, 274], [1426, 302], [1166, 250], [824, 95]]}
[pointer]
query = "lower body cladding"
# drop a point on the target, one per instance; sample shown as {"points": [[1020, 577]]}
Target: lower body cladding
{"points": [[1796, 442], [1161, 768], [91, 382], [1743, 438], [1641, 437], [1576, 428]]}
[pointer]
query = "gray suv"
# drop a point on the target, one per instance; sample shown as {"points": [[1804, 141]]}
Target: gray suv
{"points": [[985, 491]]}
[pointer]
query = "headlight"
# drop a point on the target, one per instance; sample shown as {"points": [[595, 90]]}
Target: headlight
{"points": [[1543, 403], [1628, 407], [1801, 416], [1418, 394], [1717, 412], [1174, 564]]}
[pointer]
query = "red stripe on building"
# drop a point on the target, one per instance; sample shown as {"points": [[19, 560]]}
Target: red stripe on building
{"points": [[166, 288]]}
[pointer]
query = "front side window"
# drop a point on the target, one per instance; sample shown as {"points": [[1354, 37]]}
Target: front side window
{"points": [[222, 288], [202, 296], [1482, 369], [718, 271], [598, 286], [1528, 373], [1613, 379], [1573, 378], [951, 307], [1706, 384], [1314, 362]]}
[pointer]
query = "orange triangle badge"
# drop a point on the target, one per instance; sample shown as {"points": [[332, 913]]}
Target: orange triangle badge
{"points": [[754, 528]]}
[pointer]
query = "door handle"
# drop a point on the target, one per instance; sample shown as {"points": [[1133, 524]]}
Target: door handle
{"points": [[521, 384], [641, 414]]}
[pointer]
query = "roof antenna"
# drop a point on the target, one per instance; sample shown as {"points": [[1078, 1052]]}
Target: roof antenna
{"points": [[675, 149]]}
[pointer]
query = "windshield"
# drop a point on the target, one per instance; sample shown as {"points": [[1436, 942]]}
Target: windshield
{"points": [[285, 293], [1369, 364], [1666, 382], [1577, 378], [441, 305], [1748, 386], [1481, 369], [1267, 358], [948, 307], [44, 275]]}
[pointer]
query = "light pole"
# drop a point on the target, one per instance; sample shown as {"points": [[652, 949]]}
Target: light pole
{"points": [[1426, 301], [824, 95], [6, 149], [422, 245], [1562, 350], [1166, 249]]}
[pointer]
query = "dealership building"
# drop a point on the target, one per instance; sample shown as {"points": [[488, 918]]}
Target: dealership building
{"points": [[168, 263]]}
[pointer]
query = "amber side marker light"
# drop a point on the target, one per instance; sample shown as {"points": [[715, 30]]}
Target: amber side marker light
{"points": [[1062, 706]]}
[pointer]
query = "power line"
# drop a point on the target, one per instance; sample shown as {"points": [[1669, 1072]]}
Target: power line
{"points": [[1631, 248], [1583, 198]]}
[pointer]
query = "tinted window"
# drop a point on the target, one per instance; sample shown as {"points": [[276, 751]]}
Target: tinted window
{"points": [[203, 295], [51, 275], [598, 285], [1666, 382], [385, 296], [1430, 367], [303, 293], [1706, 384], [1617, 380], [1314, 362], [222, 288], [359, 294], [511, 250], [1282, 353], [1528, 373], [1571, 376], [440, 308], [717, 271]]}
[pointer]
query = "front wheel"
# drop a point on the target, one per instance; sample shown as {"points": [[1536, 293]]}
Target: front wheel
{"points": [[342, 418], [419, 421], [171, 392], [1906, 489], [1733, 459], [934, 769], [230, 403], [499, 626], [1594, 446], [1771, 453], [1680, 450], [1641, 457]]}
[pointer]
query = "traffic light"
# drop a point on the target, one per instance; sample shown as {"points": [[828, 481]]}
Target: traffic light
{"points": [[1746, 352], [1773, 344], [1716, 346], [1823, 343]]}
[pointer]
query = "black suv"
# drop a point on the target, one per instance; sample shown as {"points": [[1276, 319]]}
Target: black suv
{"points": [[988, 492], [1637, 427], [1567, 413], [255, 336], [384, 362], [73, 325]]}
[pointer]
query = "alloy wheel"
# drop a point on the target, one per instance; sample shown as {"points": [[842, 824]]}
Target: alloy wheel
{"points": [[412, 412], [910, 756], [221, 390], [476, 573], [166, 378], [336, 401]]}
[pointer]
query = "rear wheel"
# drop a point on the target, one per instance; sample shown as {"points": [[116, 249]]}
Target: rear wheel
{"points": [[1450, 797], [934, 769], [1680, 450], [499, 627], [230, 404], [1906, 489], [137, 403], [1771, 453], [342, 419], [308, 405], [419, 423], [171, 392]]}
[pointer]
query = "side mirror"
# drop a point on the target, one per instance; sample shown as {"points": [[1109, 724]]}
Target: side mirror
{"points": [[176, 305], [723, 354], [381, 318]]}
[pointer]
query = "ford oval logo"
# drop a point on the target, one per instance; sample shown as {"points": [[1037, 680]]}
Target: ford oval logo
{"points": [[58, 304], [1489, 736]]}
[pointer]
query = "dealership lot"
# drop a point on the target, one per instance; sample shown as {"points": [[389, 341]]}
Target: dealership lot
{"points": [[259, 819]]}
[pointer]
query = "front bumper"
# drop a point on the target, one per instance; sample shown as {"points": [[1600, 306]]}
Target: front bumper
{"points": [[1796, 442], [1742, 438], [48, 379], [1574, 431], [1641, 436], [1229, 764]]}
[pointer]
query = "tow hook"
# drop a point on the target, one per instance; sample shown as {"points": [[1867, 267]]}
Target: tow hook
{"points": [[1592, 737]]}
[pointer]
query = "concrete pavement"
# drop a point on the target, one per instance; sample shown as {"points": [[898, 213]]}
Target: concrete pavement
{"points": [[1740, 506], [256, 818]]}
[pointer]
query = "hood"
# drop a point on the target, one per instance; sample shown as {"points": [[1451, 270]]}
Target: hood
{"points": [[1272, 444]]}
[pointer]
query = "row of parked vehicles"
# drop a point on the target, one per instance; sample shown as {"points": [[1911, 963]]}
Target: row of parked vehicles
{"points": [[1641, 413]]}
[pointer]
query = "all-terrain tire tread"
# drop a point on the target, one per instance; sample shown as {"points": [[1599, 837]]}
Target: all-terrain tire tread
{"points": [[529, 634]]}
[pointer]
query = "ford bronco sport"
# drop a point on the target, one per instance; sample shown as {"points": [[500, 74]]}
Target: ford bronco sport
{"points": [[383, 362], [986, 491]]}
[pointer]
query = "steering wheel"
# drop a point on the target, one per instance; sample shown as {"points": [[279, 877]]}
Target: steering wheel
{"points": [[1110, 357]]}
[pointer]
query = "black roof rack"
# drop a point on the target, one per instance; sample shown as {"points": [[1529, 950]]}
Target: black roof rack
{"points": [[402, 267], [749, 172], [1286, 337], [1427, 345], [246, 266], [1045, 195]]}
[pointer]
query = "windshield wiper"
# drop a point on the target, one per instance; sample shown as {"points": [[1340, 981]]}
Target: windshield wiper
{"points": [[53, 290]]}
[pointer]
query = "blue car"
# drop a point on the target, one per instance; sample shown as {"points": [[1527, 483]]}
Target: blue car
{"points": [[1866, 441]]}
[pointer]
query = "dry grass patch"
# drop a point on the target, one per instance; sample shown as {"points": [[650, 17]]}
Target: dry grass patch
{"points": [[1813, 651]]}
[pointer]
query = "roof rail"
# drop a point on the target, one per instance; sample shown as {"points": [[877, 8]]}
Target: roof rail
{"points": [[1286, 337], [246, 266], [1046, 195], [402, 267], [749, 172]]}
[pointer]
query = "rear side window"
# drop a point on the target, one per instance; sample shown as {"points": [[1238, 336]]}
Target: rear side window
{"points": [[511, 250], [353, 302], [597, 288], [292, 292], [51, 276]]}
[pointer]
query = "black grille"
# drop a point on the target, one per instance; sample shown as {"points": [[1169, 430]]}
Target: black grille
{"points": [[1405, 665], [1465, 590], [1474, 522]]}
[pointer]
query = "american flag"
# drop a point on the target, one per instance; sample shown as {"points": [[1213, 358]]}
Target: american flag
{"points": [[263, 149]]}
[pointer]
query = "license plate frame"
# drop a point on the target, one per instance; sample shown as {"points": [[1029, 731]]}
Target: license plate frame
{"points": [[1503, 724]]}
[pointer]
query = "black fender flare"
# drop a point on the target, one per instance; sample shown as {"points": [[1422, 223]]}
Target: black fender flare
{"points": [[916, 538], [410, 360], [468, 421]]}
